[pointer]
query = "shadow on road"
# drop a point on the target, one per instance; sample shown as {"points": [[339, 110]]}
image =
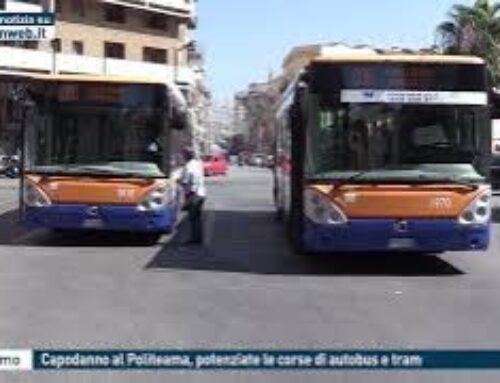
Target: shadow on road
{"points": [[10, 227], [89, 239], [495, 215], [252, 242]]}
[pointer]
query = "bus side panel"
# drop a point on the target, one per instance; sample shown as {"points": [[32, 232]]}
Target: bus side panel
{"points": [[298, 125], [283, 166]]}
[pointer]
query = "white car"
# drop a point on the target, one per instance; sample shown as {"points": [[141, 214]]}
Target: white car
{"points": [[257, 160]]}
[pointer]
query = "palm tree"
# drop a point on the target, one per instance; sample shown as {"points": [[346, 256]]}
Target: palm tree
{"points": [[473, 30]]}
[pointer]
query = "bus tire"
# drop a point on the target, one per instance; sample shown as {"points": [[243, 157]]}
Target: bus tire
{"points": [[279, 214], [295, 236], [298, 246]]}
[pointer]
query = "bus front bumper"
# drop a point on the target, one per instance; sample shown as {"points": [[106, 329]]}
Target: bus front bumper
{"points": [[102, 217], [386, 235]]}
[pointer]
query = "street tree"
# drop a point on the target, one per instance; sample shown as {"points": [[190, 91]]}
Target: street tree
{"points": [[473, 30]]}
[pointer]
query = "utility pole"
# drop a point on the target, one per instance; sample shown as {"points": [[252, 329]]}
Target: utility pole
{"points": [[56, 47], [190, 47], [55, 43]]}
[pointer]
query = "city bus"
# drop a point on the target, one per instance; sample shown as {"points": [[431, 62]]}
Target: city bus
{"points": [[385, 152], [100, 153], [495, 140]]}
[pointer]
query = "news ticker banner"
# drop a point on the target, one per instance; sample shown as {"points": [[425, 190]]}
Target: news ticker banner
{"points": [[196, 360], [37, 26]]}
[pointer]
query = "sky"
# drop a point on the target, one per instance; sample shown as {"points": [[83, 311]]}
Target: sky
{"points": [[245, 40]]}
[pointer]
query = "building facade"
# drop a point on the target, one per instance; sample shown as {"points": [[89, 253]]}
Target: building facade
{"points": [[115, 37], [256, 108], [221, 126]]}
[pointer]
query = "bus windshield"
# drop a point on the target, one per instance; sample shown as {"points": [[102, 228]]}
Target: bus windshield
{"points": [[116, 133], [388, 140]]}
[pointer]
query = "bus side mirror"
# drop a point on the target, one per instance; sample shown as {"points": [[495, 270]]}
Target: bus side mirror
{"points": [[179, 119], [177, 111]]}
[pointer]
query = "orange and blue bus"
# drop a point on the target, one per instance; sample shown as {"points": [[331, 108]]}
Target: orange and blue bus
{"points": [[99, 153], [495, 140], [385, 152]]}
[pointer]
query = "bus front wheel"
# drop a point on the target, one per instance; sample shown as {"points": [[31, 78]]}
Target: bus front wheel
{"points": [[279, 214], [294, 229]]}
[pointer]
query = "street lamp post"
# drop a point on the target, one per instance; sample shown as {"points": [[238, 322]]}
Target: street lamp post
{"points": [[56, 47], [192, 58], [189, 47], [56, 42]]}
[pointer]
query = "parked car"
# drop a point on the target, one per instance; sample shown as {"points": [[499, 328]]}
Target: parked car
{"points": [[270, 161], [10, 166], [214, 164], [258, 159], [4, 161], [244, 158]]}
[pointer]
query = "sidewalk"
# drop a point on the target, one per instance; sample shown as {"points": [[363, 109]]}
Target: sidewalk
{"points": [[7, 183], [9, 194]]}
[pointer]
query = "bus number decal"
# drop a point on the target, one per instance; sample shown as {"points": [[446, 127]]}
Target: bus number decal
{"points": [[441, 203], [125, 194], [351, 198]]}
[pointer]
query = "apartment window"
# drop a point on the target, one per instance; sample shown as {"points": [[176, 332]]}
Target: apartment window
{"points": [[154, 55], [174, 29], [114, 13], [31, 45], [20, 44], [77, 47], [78, 7], [2, 4], [58, 5], [114, 50], [157, 21]]}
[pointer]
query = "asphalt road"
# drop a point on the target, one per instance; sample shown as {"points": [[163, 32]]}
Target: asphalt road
{"points": [[244, 289]]}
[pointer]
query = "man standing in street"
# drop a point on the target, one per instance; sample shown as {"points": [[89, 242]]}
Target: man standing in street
{"points": [[193, 182]]}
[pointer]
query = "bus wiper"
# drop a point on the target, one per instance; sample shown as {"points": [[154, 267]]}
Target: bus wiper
{"points": [[91, 170], [355, 177], [457, 180], [417, 177]]}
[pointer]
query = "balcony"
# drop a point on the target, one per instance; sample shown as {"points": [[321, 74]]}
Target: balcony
{"points": [[22, 6], [180, 8], [27, 60]]}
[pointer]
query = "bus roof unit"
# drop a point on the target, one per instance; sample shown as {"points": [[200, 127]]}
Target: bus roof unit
{"points": [[408, 58]]}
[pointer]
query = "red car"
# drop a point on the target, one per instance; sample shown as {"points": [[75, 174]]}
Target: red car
{"points": [[214, 164]]}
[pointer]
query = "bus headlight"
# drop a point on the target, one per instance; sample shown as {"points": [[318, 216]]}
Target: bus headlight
{"points": [[319, 209], [156, 199], [478, 212], [34, 196]]}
